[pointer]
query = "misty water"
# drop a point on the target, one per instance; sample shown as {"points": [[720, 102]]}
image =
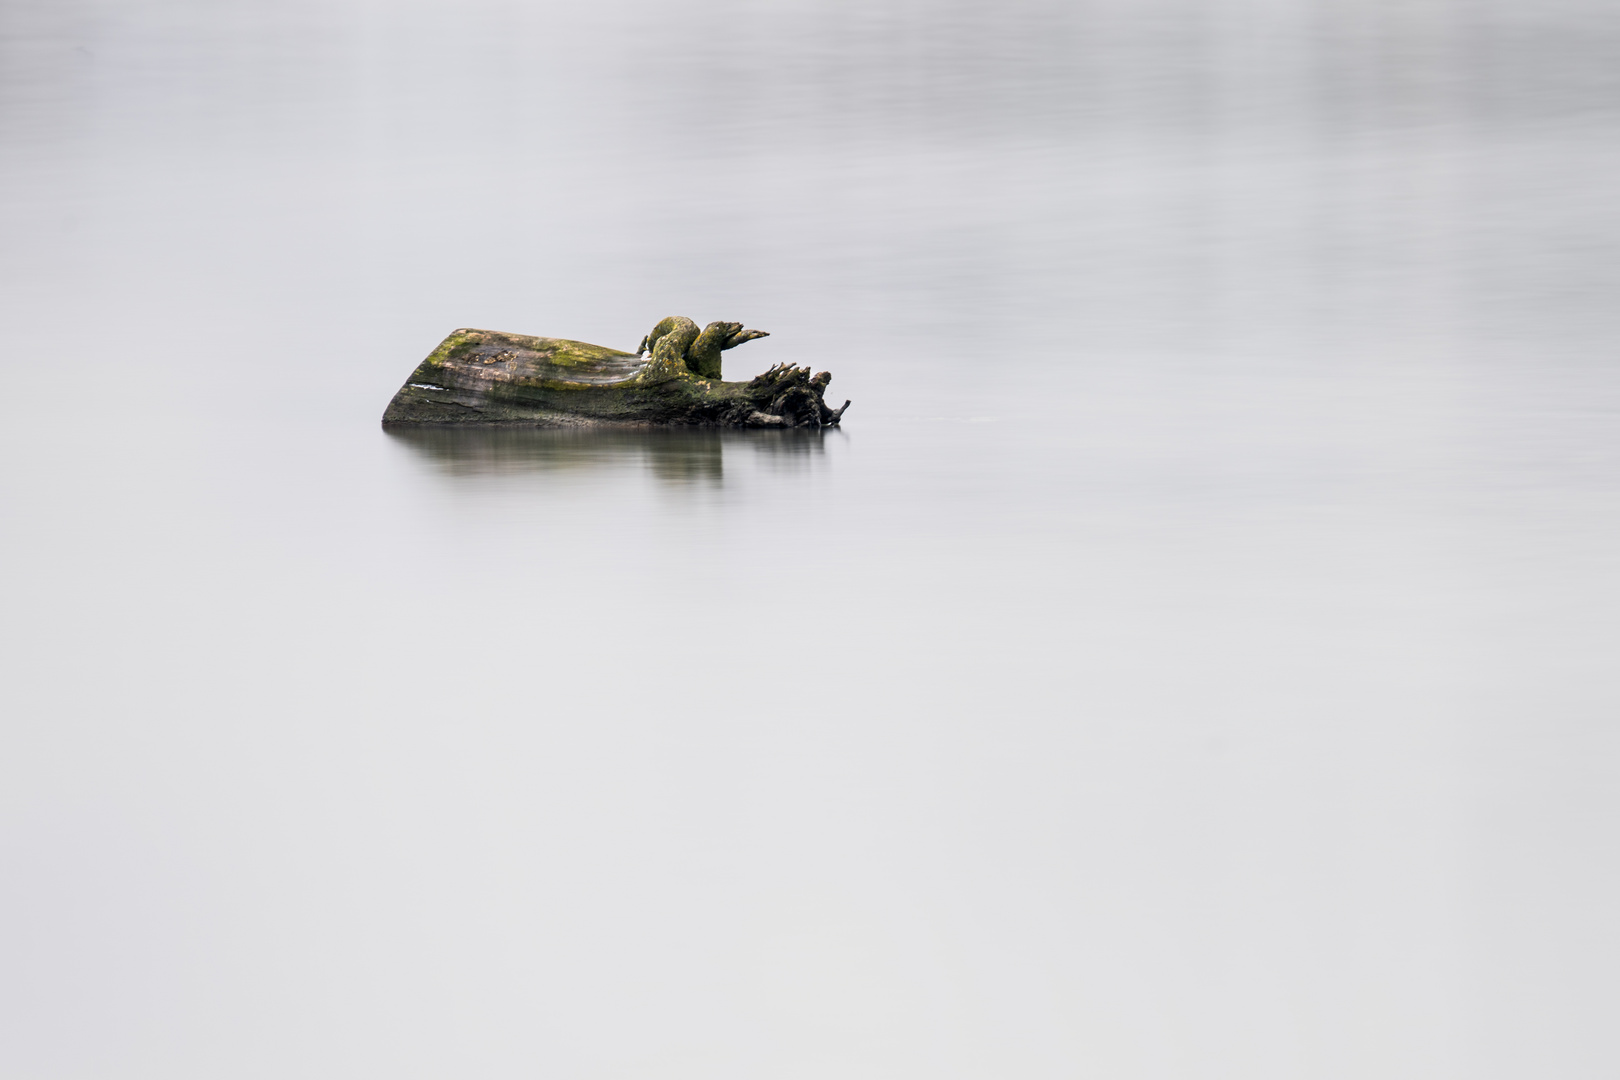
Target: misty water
{"points": [[1194, 656]]}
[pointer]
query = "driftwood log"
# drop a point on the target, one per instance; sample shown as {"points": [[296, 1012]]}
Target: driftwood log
{"points": [[487, 377]]}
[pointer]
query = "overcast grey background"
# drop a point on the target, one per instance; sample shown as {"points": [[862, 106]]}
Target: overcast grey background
{"points": [[1195, 657]]}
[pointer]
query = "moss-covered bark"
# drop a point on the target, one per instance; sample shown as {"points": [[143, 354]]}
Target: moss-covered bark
{"points": [[487, 377]]}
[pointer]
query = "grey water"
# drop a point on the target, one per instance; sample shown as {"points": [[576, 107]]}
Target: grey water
{"points": [[1194, 655]]}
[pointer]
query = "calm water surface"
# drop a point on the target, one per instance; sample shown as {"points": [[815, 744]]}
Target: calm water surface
{"points": [[1194, 657]]}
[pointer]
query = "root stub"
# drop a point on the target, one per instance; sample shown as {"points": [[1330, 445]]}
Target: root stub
{"points": [[796, 397], [486, 377]]}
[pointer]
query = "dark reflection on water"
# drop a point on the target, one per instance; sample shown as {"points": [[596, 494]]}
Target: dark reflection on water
{"points": [[678, 456]]}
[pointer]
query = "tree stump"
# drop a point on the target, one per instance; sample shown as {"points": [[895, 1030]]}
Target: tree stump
{"points": [[488, 377]]}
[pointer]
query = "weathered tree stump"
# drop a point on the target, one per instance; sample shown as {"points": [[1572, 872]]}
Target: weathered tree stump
{"points": [[487, 377]]}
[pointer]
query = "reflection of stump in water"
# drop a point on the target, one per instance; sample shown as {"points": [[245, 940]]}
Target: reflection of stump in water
{"points": [[686, 457], [675, 457], [481, 377]]}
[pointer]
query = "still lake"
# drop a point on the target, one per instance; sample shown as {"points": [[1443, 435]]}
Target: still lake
{"points": [[1194, 656]]}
